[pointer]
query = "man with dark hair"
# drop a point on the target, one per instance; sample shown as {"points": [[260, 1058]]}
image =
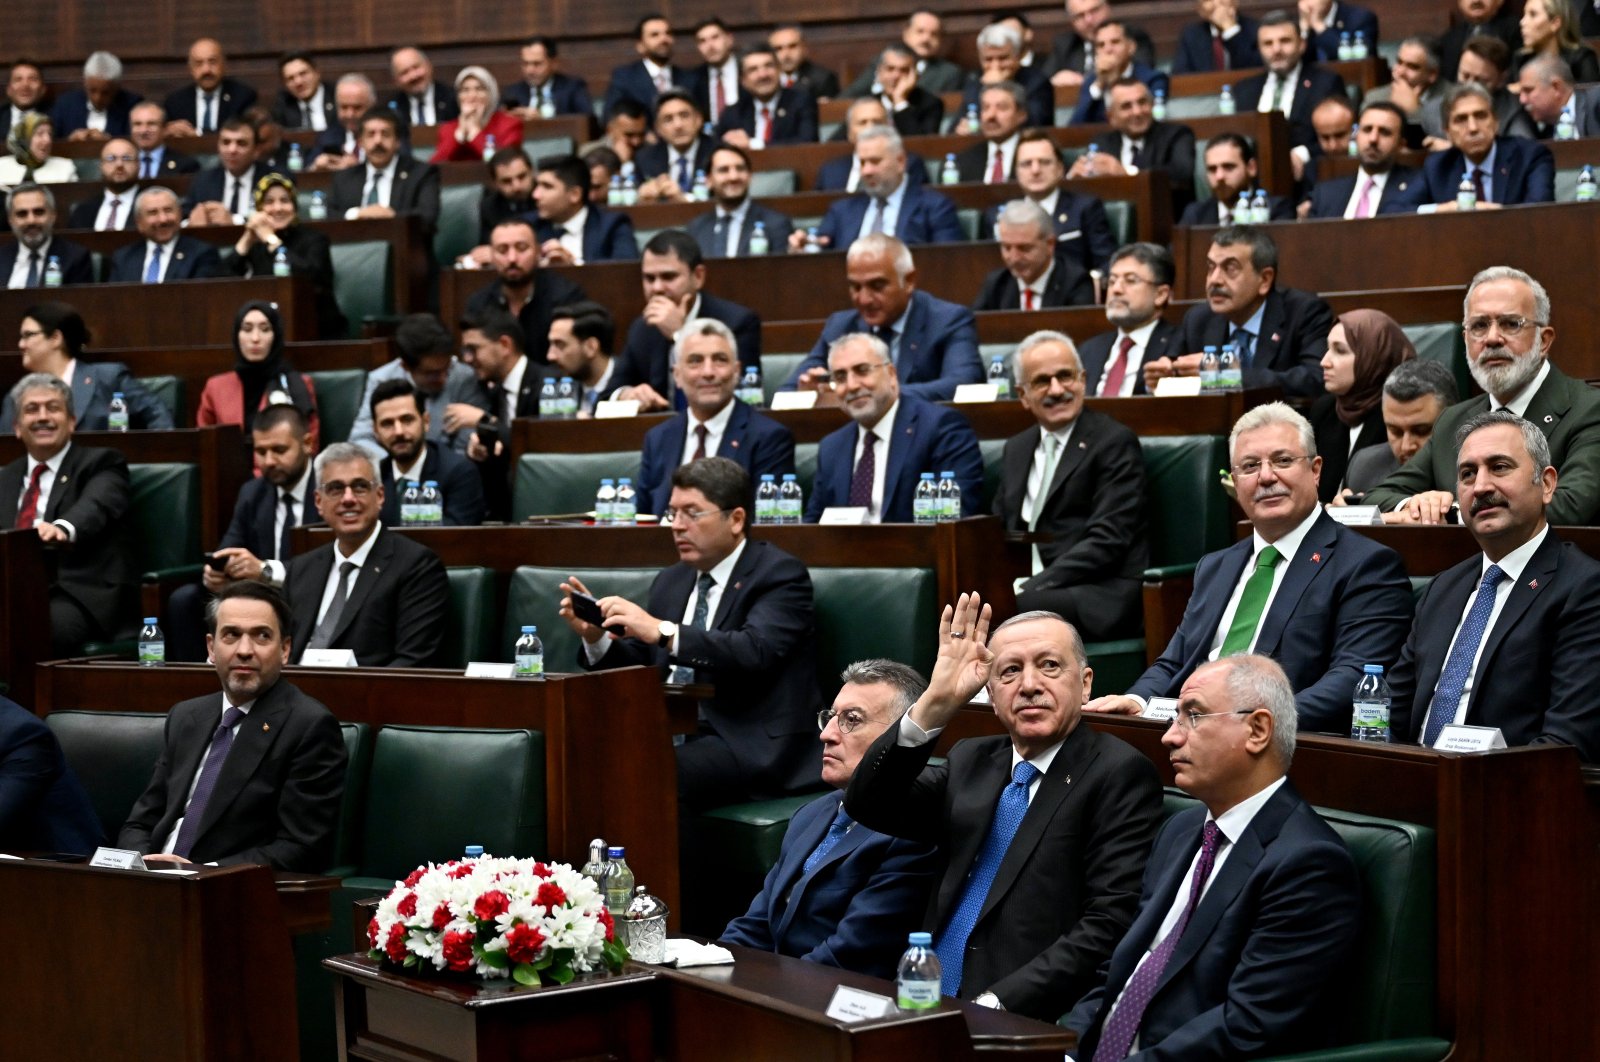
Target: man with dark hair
{"points": [[147, 130], [724, 231], [715, 82], [888, 203], [1325, 23], [1138, 142], [31, 212], [212, 99], [25, 91], [1002, 112], [667, 168], [795, 68], [304, 102], [1487, 61], [766, 113], [112, 209], [1222, 39], [582, 337], [1138, 290], [510, 195], [570, 231], [921, 40], [1503, 170], [1381, 186], [520, 286], [1291, 84], [1414, 395], [1416, 88], [652, 73], [913, 109], [418, 97], [736, 614], [1479, 18], [387, 185], [401, 424], [544, 90], [276, 800], [1231, 171], [1072, 51], [449, 388], [1114, 61], [496, 348], [844, 172], [224, 194], [1082, 230]]}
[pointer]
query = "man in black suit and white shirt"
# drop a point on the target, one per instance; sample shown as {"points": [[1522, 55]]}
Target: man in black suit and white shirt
{"points": [[338, 147], [1138, 142], [715, 82], [254, 776], [31, 212], [1083, 232], [400, 421], [417, 95], [304, 102], [921, 39], [766, 113], [724, 231], [225, 193], [112, 210], [1002, 112], [1138, 289], [1036, 274], [1290, 85], [147, 129], [387, 185], [213, 98], [544, 91], [914, 109], [1231, 171], [164, 254], [1381, 185], [1072, 52], [494, 345], [795, 68]]}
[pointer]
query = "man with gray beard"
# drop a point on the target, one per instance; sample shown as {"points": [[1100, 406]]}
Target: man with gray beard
{"points": [[1138, 289], [1506, 322]]}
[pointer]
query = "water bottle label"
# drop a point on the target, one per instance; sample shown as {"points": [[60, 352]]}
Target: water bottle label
{"points": [[529, 665], [154, 652], [1370, 715], [917, 995]]}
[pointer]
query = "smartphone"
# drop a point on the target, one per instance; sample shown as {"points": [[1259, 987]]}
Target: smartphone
{"points": [[587, 608], [216, 563], [487, 437]]}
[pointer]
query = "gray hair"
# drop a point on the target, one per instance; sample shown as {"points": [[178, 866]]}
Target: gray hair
{"points": [[362, 81], [29, 186], [1269, 414], [42, 381], [704, 326], [104, 66], [1548, 68], [1541, 298], [1039, 339], [1430, 49], [886, 133], [1534, 439], [1460, 92], [850, 114], [873, 343], [485, 78], [1256, 681], [1074, 639], [341, 453], [1018, 94], [154, 191], [907, 684], [999, 35], [881, 243], [1415, 377], [1025, 211]]}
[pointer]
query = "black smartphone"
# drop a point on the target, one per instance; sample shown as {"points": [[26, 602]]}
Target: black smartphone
{"points": [[488, 435], [587, 608], [216, 563]]}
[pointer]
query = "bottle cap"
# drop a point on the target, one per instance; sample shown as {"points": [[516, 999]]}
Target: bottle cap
{"points": [[150, 621], [431, 483], [528, 628], [768, 477], [789, 477], [1372, 669], [921, 940], [614, 852], [947, 475], [625, 481], [474, 851], [927, 475]]}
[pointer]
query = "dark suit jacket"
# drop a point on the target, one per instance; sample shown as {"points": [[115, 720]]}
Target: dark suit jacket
{"points": [[1195, 54], [834, 175], [632, 81], [756, 441], [1066, 889], [1288, 352], [413, 190], [331, 140], [276, 800], [925, 216], [172, 163], [192, 259], [1041, 98], [1403, 192], [938, 350], [1167, 146], [76, 265], [1585, 114], [758, 655], [921, 116], [777, 226], [93, 384], [1316, 84], [445, 107], [458, 481], [1068, 51], [1566, 410], [1505, 25], [1344, 601], [1524, 172], [647, 353], [550, 291], [255, 516], [286, 108], [1096, 353], [1083, 232], [1534, 679], [852, 910], [234, 97], [570, 95], [43, 807], [310, 255], [1067, 285], [396, 611], [653, 159], [607, 236], [935, 76], [1369, 467], [1333, 441], [1091, 110], [1349, 18], [1204, 211], [927, 437], [794, 117], [83, 213], [1257, 970], [71, 112], [211, 184], [822, 83]]}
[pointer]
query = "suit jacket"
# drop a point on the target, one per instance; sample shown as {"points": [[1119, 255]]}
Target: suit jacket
{"points": [[234, 97], [922, 114], [1369, 467], [91, 493], [927, 437], [551, 290], [1403, 192], [935, 76], [757, 442], [777, 226], [310, 255], [396, 611], [570, 95], [1333, 441], [653, 159], [834, 175], [822, 83], [445, 106], [1204, 211], [852, 910], [276, 800], [1585, 114], [1195, 54], [76, 265], [172, 163], [71, 112], [647, 354], [1505, 25], [1533, 677], [1091, 110], [1097, 351], [83, 213], [925, 216], [758, 655], [1167, 146], [1067, 888], [1524, 172], [1566, 410], [458, 481], [938, 351], [607, 236], [1067, 285], [1083, 232], [1256, 970], [255, 515], [286, 109], [331, 141], [1068, 51], [794, 117], [414, 189], [1288, 351], [632, 81], [93, 384], [44, 808], [192, 259], [1316, 84], [1344, 601], [1041, 98], [222, 402]]}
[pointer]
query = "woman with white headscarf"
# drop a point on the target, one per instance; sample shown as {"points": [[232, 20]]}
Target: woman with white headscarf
{"points": [[467, 138]]}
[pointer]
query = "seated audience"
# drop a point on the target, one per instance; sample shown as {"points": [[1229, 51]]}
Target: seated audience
{"points": [[31, 213], [921, 38], [147, 130], [272, 148], [400, 422], [480, 123], [45, 809], [275, 226], [1364, 347], [1038, 273], [1474, 19], [262, 376], [520, 287], [1417, 89], [604, 167], [1326, 23], [1231, 171], [766, 113], [1114, 61], [99, 109], [844, 172], [221, 195], [112, 209], [53, 338], [426, 356], [795, 68], [1291, 84], [715, 82], [1222, 39], [582, 338], [213, 97], [652, 73], [509, 195], [30, 159], [386, 185], [1550, 29], [1414, 395], [1486, 61], [1001, 115], [304, 102], [544, 90], [627, 126], [1549, 94], [1138, 142], [724, 231], [1381, 185], [1000, 59], [1083, 232], [889, 202], [1138, 290], [338, 147], [1072, 52], [163, 254], [419, 98], [666, 169], [1334, 123], [570, 231], [914, 109], [25, 92]]}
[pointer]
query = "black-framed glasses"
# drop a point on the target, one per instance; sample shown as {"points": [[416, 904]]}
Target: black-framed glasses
{"points": [[694, 516], [1251, 466], [849, 719], [335, 490]]}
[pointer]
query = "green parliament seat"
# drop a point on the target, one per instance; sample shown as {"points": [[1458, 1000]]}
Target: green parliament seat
{"points": [[535, 595], [553, 484], [1123, 217], [169, 391], [873, 612], [353, 802], [547, 147], [992, 451], [775, 369], [1441, 341], [458, 222], [166, 515], [113, 754], [363, 281], [805, 466], [1189, 512], [968, 218], [767, 183], [338, 398], [469, 625]]}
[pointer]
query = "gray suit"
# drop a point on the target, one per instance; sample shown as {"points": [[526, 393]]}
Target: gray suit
{"points": [[93, 384]]}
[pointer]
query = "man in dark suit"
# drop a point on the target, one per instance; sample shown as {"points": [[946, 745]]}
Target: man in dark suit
{"points": [[1114, 61], [224, 194], [401, 423], [1381, 186], [25, 91], [706, 369], [1000, 56], [112, 209], [147, 130], [1043, 831], [1138, 142], [1548, 91], [889, 202], [100, 108], [933, 344], [1280, 334], [494, 346], [876, 461], [653, 72], [682, 149], [921, 39], [544, 91], [212, 99], [372, 591], [735, 614], [1072, 52], [1138, 290], [1083, 232], [1222, 39], [419, 98], [1342, 600], [305, 101], [1002, 113], [1291, 84], [724, 231], [253, 776], [1077, 476], [386, 185], [1326, 22], [338, 147], [1415, 393], [76, 498], [795, 68], [766, 113], [43, 806], [843, 173], [1250, 907], [520, 287], [842, 894], [1505, 170], [1505, 638], [570, 231], [1038, 274], [581, 341], [1479, 18], [31, 212], [715, 82], [914, 109], [1231, 171], [164, 254], [1509, 337]]}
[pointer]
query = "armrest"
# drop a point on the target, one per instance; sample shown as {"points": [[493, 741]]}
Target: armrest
{"points": [[1415, 1049], [181, 573], [1167, 571]]}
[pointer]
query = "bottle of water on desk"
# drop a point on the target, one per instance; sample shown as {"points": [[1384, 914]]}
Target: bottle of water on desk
{"points": [[619, 882], [949, 497], [1586, 185], [1369, 718], [759, 245], [117, 412], [529, 654], [626, 509], [280, 262], [52, 272], [1565, 130], [971, 125], [917, 981], [1225, 100], [614, 193], [1354, 148], [152, 644], [488, 145], [430, 504], [605, 503], [999, 377], [1158, 105], [597, 868], [767, 499], [813, 241], [411, 504], [1466, 195], [1345, 53], [297, 161], [566, 398], [948, 174], [1358, 46], [791, 501], [548, 409], [1260, 209], [630, 188], [702, 193], [925, 503], [1210, 367], [319, 207], [1242, 214], [750, 391], [1230, 376]]}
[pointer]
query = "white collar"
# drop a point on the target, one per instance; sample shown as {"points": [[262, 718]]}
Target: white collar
{"points": [[359, 557], [1141, 335], [1519, 405], [1514, 562], [54, 464], [722, 574], [1288, 544], [717, 423], [1041, 761], [1237, 819]]}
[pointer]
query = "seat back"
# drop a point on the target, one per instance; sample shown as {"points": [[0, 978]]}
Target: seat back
{"points": [[169, 391], [873, 612], [353, 802], [546, 147], [338, 398], [1441, 341], [767, 183], [1123, 217], [992, 451], [469, 626], [1189, 513], [968, 218], [805, 466], [458, 222], [551, 484], [775, 369], [363, 280], [535, 596], [113, 754], [166, 514]]}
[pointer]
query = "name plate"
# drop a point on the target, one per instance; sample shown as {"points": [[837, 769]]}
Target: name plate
{"points": [[1177, 386], [851, 1005], [490, 669], [977, 392], [844, 514], [1161, 709], [794, 400], [1354, 515], [117, 859], [328, 658], [1459, 737], [616, 409]]}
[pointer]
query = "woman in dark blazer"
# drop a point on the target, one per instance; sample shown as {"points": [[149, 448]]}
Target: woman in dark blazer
{"points": [[261, 376], [275, 224], [1363, 347], [1550, 27]]}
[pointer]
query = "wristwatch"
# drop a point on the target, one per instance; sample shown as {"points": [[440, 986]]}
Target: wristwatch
{"points": [[669, 631]]}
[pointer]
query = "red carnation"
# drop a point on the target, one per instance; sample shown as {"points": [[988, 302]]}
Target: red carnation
{"points": [[611, 927], [395, 947], [550, 895], [441, 916], [491, 905], [524, 943], [458, 950], [408, 905], [461, 870], [415, 876], [372, 933], [540, 870]]}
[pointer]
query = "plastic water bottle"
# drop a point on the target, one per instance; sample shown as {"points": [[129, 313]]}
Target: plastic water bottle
{"points": [[297, 161], [918, 979], [1210, 368], [1369, 717], [619, 882], [1158, 105], [566, 398], [548, 408], [630, 190], [1090, 150], [152, 644], [973, 123], [949, 503], [948, 174], [473, 851], [529, 654], [791, 500], [488, 145], [1230, 374], [117, 412], [813, 241], [1466, 195], [767, 499], [52, 272], [1358, 46], [319, 207], [750, 391], [547, 107], [1260, 209], [614, 193], [1346, 53], [280, 262], [1242, 213], [432, 502], [1586, 185], [1354, 148], [759, 244], [1225, 103], [1565, 130], [411, 504], [625, 510], [605, 503], [925, 503], [702, 187], [999, 377]]}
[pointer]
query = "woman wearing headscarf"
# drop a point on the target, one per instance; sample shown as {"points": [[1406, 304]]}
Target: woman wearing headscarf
{"points": [[29, 146], [466, 138], [261, 376], [1363, 347], [274, 224]]}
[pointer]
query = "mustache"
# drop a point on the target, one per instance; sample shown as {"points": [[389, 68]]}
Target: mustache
{"points": [[1217, 290], [1052, 401], [1275, 491], [1488, 501]]}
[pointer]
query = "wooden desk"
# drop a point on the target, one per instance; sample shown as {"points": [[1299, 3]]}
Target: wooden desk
{"points": [[25, 612], [190, 313]]}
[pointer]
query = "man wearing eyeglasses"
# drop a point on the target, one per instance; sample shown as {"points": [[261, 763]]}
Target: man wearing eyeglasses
{"points": [[1138, 289], [735, 614], [1506, 323], [377, 593], [843, 894], [113, 209], [1320, 599]]}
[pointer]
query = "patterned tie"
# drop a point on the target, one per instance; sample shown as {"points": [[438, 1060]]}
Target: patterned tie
{"points": [[111, 215], [766, 123], [716, 95], [878, 207], [1279, 84], [1245, 341], [701, 434], [1111, 386], [1458, 666], [372, 190], [1477, 184], [221, 742], [663, 82], [28, 512], [681, 675], [288, 525], [1251, 603], [1008, 813], [840, 826], [997, 171], [866, 468], [1364, 198], [305, 114], [1117, 1037], [33, 269], [152, 271], [330, 622]]}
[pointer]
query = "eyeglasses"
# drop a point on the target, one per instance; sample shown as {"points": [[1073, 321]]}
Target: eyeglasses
{"points": [[1128, 280], [849, 719], [864, 371], [1064, 377], [1509, 325], [119, 158], [1251, 466], [694, 516], [29, 333], [335, 490], [1192, 717]]}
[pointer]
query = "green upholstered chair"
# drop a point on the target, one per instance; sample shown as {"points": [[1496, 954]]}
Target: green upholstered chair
{"points": [[992, 451], [338, 399], [1441, 341], [805, 466], [469, 627], [968, 218], [873, 612], [363, 280], [165, 513], [169, 391], [113, 754], [458, 222], [767, 183], [353, 803], [535, 595], [551, 484], [1189, 512], [1123, 217], [775, 369]]}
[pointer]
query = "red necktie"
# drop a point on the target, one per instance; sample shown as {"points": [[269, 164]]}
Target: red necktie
{"points": [[1027, 298], [30, 499], [701, 432], [766, 123], [997, 172], [1219, 54], [1111, 386]]}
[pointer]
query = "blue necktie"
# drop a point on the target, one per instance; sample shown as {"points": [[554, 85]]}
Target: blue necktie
{"points": [[33, 270], [685, 182], [152, 272], [1453, 679], [1008, 812], [1245, 341], [221, 742], [841, 826], [702, 607]]}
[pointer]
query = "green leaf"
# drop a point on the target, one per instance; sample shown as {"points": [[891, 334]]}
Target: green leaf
{"points": [[496, 959], [375, 954], [614, 954], [523, 974], [561, 975], [545, 960], [411, 960]]}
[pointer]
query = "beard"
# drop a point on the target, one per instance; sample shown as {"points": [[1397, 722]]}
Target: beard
{"points": [[1503, 381]]}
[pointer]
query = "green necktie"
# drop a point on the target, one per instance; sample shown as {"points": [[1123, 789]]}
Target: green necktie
{"points": [[1251, 602]]}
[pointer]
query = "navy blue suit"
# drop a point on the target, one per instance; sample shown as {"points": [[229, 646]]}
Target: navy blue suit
{"points": [[233, 98], [1524, 172], [77, 267], [255, 515], [1204, 212], [632, 81], [211, 184], [1316, 84], [794, 117], [1324, 47], [1095, 353], [852, 910], [1258, 969], [607, 236], [1083, 232], [652, 160], [778, 227], [927, 437], [43, 807], [71, 112], [1195, 54], [1343, 602], [647, 354], [1403, 192], [192, 259], [834, 175], [1288, 351], [570, 95], [756, 441], [93, 384], [458, 481], [1041, 96], [925, 217], [1092, 110], [938, 350]]}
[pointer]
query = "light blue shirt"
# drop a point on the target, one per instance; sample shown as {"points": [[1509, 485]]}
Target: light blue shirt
{"points": [[891, 211]]}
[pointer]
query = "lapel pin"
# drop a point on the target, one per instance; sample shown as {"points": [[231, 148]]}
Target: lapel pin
{"points": [[179, 256], [265, 727], [1274, 337], [1082, 445], [733, 443], [1316, 558], [1533, 584], [1549, 418]]}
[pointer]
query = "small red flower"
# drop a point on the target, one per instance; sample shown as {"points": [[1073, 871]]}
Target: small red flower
{"points": [[441, 916], [524, 943], [415, 876], [540, 870], [605, 920], [408, 905], [491, 905], [550, 895], [458, 950], [461, 870], [372, 933], [395, 946]]}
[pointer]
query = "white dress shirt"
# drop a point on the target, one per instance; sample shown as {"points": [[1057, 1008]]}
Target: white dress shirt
{"points": [[313, 107], [1007, 149], [727, 86], [716, 427], [883, 432], [733, 222], [124, 200], [200, 109], [891, 211], [911, 735], [273, 571], [172, 838], [245, 183], [168, 249], [46, 482], [572, 234], [1130, 374], [1041, 458], [384, 179], [1037, 287], [359, 559], [1288, 547], [19, 271], [510, 388], [720, 575], [1374, 196]]}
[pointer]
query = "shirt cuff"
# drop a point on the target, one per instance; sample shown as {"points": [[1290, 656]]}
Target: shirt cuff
{"points": [[352, 213], [1428, 208], [1302, 153], [595, 650], [1231, 32], [1140, 701], [912, 735], [66, 525], [272, 572]]}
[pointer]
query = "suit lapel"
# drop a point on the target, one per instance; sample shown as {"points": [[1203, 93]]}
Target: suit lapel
{"points": [[190, 745], [1270, 339], [733, 435], [902, 437], [971, 810], [1068, 462], [1018, 459], [1549, 404], [259, 729], [82, 390], [1535, 579], [307, 603], [366, 578], [1316, 552], [65, 487], [911, 341], [738, 580]]}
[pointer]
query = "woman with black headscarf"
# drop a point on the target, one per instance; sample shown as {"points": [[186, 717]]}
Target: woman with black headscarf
{"points": [[1363, 347], [261, 376]]}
